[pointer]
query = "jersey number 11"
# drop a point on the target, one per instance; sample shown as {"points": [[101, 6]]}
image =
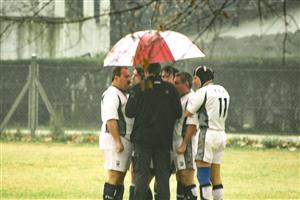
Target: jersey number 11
{"points": [[221, 106]]}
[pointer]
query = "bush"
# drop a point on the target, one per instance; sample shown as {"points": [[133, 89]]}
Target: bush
{"points": [[267, 142]]}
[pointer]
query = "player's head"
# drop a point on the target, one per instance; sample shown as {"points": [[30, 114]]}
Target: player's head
{"points": [[121, 78], [168, 73], [137, 75], [183, 82], [153, 69], [202, 74]]}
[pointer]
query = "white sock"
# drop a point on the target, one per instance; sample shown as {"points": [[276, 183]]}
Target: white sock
{"points": [[191, 192], [194, 191], [217, 192], [205, 192]]}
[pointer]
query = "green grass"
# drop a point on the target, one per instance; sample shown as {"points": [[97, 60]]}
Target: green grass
{"points": [[70, 171]]}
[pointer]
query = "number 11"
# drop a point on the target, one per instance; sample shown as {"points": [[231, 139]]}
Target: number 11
{"points": [[225, 106]]}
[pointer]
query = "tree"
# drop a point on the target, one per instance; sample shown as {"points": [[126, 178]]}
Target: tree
{"points": [[189, 16]]}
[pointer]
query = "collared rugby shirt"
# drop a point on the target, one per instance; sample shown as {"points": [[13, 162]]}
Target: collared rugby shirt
{"points": [[110, 105], [183, 121], [211, 102]]}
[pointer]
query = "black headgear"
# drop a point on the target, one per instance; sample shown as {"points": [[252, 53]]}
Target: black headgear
{"points": [[204, 73]]}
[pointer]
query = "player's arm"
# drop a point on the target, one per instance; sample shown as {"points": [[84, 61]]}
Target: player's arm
{"points": [[195, 103], [189, 132], [187, 113], [113, 128], [110, 111]]}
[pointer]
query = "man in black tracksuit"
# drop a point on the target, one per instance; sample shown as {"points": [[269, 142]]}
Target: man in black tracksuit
{"points": [[155, 105]]}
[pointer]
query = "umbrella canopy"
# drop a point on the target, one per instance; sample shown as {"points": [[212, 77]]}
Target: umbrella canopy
{"points": [[151, 47]]}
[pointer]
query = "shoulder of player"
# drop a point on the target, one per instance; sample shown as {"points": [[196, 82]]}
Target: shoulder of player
{"points": [[112, 93], [111, 90], [191, 93], [219, 88], [185, 97], [201, 91]]}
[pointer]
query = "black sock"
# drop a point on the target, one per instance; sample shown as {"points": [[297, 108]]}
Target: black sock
{"points": [[191, 192], [109, 191], [120, 192], [180, 191]]}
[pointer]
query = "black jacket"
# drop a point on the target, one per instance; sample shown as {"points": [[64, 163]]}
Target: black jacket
{"points": [[155, 110]]}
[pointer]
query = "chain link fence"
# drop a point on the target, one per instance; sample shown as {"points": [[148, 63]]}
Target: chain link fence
{"points": [[264, 96]]}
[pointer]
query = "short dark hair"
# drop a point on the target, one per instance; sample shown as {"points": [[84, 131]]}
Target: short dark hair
{"points": [[185, 78], [154, 68], [170, 70], [117, 72]]}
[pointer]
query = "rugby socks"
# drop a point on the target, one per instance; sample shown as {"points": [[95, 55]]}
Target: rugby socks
{"points": [[120, 192], [191, 192], [113, 192], [131, 192], [217, 192], [203, 175], [186, 192], [180, 191], [205, 191], [109, 191]]}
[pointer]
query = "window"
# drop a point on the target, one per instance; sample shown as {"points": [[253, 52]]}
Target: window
{"points": [[74, 9], [97, 10]]}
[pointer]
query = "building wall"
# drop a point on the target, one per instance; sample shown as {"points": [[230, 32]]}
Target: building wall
{"points": [[21, 36]]}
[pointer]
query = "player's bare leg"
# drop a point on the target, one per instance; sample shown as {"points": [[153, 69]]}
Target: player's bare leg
{"points": [[203, 175], [186, 188], [114, 186], [216, 182]]}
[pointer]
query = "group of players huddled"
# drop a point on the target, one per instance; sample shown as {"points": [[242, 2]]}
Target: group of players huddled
{"points": [[154, 121]]}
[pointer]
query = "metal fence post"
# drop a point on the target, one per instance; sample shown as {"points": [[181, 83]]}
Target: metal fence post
{"points": [[33, 97], [34, 88]]}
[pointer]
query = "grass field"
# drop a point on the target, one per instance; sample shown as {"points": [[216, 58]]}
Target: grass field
{"points": [[70, 171]]}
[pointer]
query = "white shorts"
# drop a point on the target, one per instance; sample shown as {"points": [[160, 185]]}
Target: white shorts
{"points": [[186, 160], [211, 145], [112, 159]]}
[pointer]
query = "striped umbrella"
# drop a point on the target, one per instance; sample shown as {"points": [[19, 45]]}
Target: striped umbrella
{"points": [[145, 47]]}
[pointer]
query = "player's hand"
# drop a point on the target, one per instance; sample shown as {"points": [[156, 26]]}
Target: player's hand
{"points": [[181, 149], [119, 147]]}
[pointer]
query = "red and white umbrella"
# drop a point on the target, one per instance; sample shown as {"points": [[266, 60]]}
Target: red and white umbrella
{"points": [[151, 47]]}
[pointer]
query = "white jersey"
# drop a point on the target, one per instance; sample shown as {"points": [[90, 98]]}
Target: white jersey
{"points": [[211, 102], [186, 160], [180, 123], [110, 102]]}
